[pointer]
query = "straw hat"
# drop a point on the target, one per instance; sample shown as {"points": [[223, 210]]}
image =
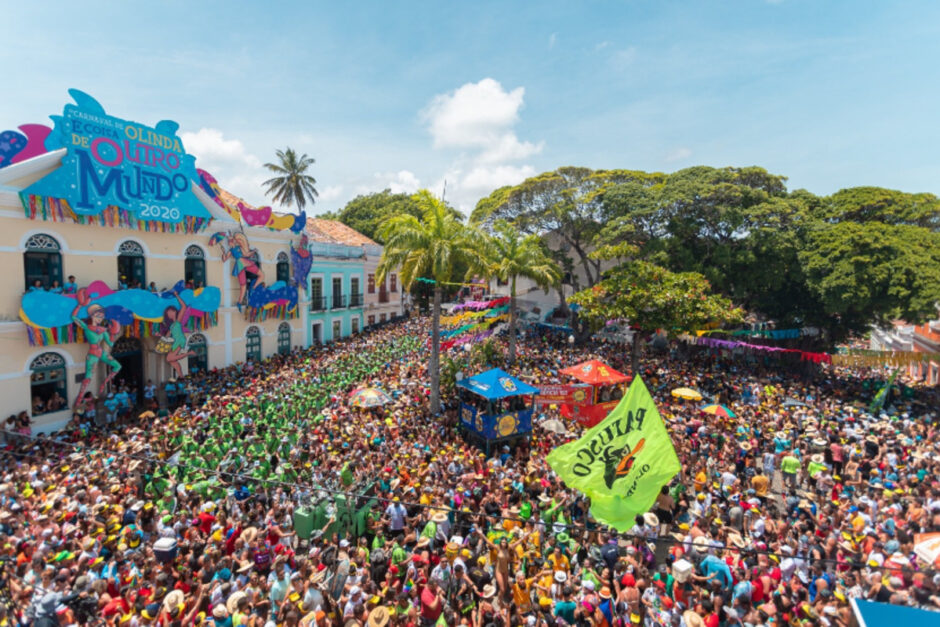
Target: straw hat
{"points": [[692, 619], [439, 517], [651, 519], [232, 603], [378, 617], [489, 590]]}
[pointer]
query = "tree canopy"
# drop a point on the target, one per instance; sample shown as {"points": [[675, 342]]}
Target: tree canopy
{"points": [[366, 213], [839, 262]]}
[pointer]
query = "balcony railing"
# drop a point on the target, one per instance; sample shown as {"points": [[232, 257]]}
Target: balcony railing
{"points": [[339, 301], [317, 303], [355, 300]]}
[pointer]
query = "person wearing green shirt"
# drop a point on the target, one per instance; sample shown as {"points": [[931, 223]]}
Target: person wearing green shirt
{"points": [[790, 467]]}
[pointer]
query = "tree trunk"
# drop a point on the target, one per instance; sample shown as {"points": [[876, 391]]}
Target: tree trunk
{"points": [[435, 366], [512, 321], [635, 352], [562, 301]]}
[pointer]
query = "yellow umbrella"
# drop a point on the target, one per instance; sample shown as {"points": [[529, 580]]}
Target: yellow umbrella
{"points": [[687, 393]]}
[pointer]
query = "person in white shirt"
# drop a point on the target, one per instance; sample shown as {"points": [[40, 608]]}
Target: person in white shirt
{"points": [[396, 514]]}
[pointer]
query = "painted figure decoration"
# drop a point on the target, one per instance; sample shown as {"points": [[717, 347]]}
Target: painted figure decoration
{"points": [[172, 340], [100, 336], [301, 261], [246, 266]]}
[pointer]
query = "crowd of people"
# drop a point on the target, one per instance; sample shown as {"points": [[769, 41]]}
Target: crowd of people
{"points": [[781, 514]]}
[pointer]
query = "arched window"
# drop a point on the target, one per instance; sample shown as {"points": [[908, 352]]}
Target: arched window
{"points": [[253, 344], [42, 262], [200, 361], [283, 338], [283, 267], [48, 384], [195, 266], [132, 271]]}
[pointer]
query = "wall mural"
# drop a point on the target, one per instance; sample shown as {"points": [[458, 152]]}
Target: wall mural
{"points": [[98, 315], [100, 335], [241, 213], [256, 300], [115, 172], [16, 146], [50, 317], [301, 260]]}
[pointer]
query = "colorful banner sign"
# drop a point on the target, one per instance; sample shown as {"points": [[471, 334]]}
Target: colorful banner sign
{"points": [[588, 415], [564, 394], [117, 163], [621, 463]]}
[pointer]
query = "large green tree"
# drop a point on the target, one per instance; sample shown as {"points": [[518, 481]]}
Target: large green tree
{"points": [[367, 212], [564, 208], [872, 272], [432, 247], [511, 255], [653, 298], [292, 185]]}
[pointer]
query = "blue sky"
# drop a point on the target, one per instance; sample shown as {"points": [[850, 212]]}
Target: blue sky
{"points": [[831, 94]]}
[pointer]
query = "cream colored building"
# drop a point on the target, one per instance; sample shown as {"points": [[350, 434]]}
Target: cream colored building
{"points": [[91, 253]]}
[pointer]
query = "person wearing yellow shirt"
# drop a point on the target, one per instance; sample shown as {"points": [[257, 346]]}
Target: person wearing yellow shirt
{"points": [[522, 590], [760, 483], [558, 560]]}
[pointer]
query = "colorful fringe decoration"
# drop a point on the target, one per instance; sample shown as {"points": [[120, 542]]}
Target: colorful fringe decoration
{"points": [[58, 210], [71, 334], [278, 312]]}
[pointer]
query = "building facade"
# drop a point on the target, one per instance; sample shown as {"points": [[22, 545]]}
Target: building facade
{"points": [[126, 265]]}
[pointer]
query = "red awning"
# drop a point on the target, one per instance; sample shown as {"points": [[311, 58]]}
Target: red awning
{"points": [[595, 373]]}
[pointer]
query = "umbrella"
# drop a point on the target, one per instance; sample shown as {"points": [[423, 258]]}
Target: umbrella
{"points": [[368, 397], [555, 426], [687, 393], [792, 402], [718, 410]]}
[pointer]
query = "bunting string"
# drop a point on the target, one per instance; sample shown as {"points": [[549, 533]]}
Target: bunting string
{"points": [[58, 210]]}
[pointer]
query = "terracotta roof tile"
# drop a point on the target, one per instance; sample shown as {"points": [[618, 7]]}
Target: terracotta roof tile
{"points": [[336, 232], [233, 200]]}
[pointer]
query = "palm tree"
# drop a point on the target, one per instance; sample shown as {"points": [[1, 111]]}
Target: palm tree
{"points": [[429, 248], [292, 185], [511, 255]]}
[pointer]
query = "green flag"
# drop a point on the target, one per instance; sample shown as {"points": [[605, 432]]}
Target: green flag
{"points": [[879, 401], [622, 462]]}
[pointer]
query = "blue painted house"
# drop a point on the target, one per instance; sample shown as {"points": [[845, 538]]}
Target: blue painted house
{"points": [[336, 281]]}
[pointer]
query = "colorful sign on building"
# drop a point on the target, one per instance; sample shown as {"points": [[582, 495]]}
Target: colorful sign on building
{"points": [[117, 172]]}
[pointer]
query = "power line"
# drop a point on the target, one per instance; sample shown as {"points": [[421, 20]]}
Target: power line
{"points": [[358, 495]]}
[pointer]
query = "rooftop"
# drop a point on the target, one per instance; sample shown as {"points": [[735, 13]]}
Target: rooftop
{"points": [[335, 232]]}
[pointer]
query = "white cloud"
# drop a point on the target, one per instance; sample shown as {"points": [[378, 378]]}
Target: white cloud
{"points": [[479, 119], [474, 116], [329, 193], [236, 169], [402, 182], [601, 45], [209, 145], [484, 179], [552, 40], [679, 154], [509, 148]]}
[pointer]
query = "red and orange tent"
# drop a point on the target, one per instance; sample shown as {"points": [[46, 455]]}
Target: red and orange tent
{"points": [[595, 372]]}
